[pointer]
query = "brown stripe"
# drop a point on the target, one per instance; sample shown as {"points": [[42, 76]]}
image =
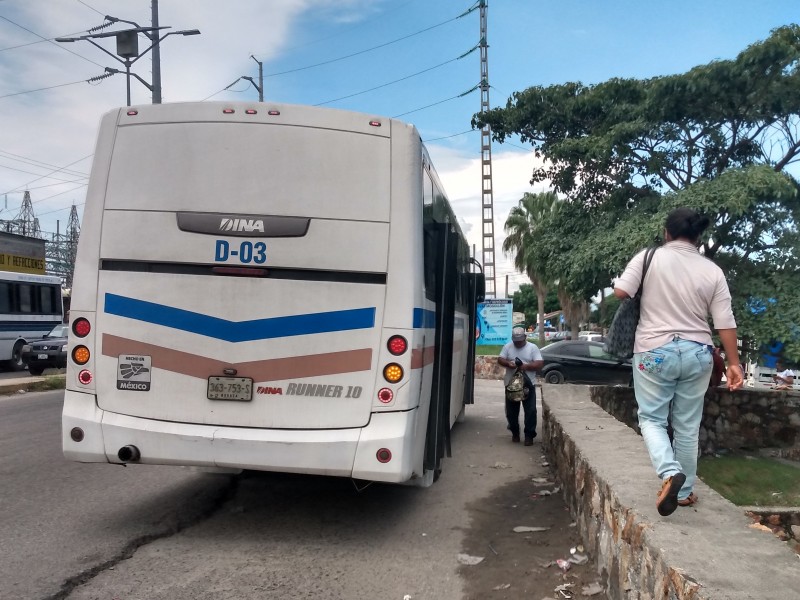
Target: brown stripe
{"points": [[193, 365], [424, 356]]}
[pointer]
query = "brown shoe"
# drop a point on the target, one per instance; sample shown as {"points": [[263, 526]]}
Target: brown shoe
{"points": [[515, 438], [667, 500], [528, 441], [690, 500]]}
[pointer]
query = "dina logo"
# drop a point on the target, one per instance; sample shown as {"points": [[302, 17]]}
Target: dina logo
{"points": [[241, 225]]}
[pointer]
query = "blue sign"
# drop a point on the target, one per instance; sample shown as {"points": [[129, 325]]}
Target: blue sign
{"points": [[494, 322]]}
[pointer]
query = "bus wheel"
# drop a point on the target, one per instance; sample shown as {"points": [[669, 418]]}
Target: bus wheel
{"points": [[16, 363]]}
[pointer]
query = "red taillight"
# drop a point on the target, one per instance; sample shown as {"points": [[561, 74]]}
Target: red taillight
{"points": [[85, 377], [385, 395], [375, 123], [397, 345], [81, 327], [383, 455], [250, 111], [228, 111], [273, 113], [133, 113]]}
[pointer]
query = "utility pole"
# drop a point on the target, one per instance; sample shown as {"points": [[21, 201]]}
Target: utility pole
{"points": [[260, 85], [156, 55], [486, 164], [128, 49]]}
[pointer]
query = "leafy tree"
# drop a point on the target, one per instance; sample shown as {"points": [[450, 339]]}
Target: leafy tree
{"points": [[718, 138], [522, 227], [524, 301]]}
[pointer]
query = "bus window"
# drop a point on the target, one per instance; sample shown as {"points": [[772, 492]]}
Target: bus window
{"points": [[5, 297], [25, 298], [47, 300]]}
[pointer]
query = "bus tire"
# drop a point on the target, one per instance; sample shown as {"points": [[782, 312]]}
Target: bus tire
{"points": [[16, 363]]}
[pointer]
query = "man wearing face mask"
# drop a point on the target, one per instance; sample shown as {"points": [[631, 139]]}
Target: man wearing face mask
{"points": [[522, 354]]}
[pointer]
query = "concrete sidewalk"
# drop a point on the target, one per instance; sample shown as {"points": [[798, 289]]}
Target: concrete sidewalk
{"points": [[28, 383]]}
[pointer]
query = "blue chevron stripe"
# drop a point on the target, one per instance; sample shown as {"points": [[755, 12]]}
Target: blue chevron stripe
{"points": [[242, 331]]}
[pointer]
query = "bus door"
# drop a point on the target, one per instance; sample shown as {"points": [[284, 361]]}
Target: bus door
{"points": [[476, 293], [444, 244]]}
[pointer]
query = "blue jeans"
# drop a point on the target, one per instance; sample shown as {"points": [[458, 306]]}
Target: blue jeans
{"points": [[529, 406], [670, 384]]}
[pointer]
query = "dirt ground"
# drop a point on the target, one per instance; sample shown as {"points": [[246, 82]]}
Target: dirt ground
{"points": [[523, 564]]}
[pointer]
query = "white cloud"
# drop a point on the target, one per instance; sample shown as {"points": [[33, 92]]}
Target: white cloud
{"points": [[461, 175]]}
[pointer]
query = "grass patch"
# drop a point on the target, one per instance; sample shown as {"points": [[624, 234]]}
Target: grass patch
{"points": [[752, 481], [488, 350], [51, 382]]}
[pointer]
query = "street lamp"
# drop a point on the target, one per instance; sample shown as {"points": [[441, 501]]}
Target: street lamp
{"points": [[128, 47]]}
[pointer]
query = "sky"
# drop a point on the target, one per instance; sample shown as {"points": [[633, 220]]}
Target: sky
{"points": [[395, 58]]}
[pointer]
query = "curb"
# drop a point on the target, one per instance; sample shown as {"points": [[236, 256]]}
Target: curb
{"points": [[34, 384]]}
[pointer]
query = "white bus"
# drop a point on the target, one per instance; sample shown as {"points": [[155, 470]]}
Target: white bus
{"points": [[30, 306], [268, 287]]}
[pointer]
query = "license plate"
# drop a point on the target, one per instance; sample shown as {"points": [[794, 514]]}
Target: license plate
{"points": [[42, 357], [230, 388]]}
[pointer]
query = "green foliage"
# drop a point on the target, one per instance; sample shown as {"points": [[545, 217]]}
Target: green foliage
{"points": [[625, 152], [524, 301]]}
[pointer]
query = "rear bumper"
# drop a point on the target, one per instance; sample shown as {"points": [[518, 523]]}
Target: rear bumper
{"points": [[338, 452]]}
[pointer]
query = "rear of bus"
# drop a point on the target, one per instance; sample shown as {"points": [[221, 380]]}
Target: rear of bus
{"points": [[245, 275]]}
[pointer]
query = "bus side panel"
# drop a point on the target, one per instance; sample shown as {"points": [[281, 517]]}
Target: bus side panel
{"points": [[84, 282]]}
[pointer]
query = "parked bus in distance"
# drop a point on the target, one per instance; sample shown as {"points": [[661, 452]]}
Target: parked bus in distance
{"points": [[269, 287], [30, 306]]}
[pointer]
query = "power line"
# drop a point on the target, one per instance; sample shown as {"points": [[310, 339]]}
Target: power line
{"points": [[38, 163], [333, 60], [392, 82], [36, 42], [51, 87], [32, 173], [450, 136], [50, 41], [435, 103], [348, 29], [48, 175], [91, 7]]}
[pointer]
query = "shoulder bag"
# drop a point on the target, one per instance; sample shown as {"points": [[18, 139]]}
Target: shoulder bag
{"points": [[622, 333]]}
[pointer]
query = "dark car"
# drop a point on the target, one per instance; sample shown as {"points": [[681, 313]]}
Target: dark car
{"points": [[561, 336], [583, 362], [49, 352]]}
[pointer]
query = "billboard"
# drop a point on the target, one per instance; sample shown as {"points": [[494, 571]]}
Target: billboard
{"points": [[494, 322], [21, 254]]}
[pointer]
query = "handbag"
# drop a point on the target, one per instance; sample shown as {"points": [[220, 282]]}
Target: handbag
{"points": [[515, 390], [622, 333], [717, 368]]}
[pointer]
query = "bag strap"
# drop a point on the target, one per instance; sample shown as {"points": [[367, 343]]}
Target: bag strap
{"points": [[648, 258]]}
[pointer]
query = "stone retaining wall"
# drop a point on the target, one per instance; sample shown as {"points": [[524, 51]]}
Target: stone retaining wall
{"points": [[742, 420], [709, 551], [486, 367]]}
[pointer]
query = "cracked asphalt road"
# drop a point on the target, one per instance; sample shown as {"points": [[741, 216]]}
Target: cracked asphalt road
{"points": [[90, 532]]}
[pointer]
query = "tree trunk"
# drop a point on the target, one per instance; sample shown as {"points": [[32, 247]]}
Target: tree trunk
{"points": [[540, 296]]}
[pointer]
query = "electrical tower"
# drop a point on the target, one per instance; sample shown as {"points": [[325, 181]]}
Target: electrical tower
{"points": [[486, 166], [25, 223]]}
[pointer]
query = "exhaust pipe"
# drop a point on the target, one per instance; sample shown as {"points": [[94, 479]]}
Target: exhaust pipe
{"points": [[129, 454]]}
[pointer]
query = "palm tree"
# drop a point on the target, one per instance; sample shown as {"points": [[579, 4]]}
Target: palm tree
{"points": [[520, 227]]}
